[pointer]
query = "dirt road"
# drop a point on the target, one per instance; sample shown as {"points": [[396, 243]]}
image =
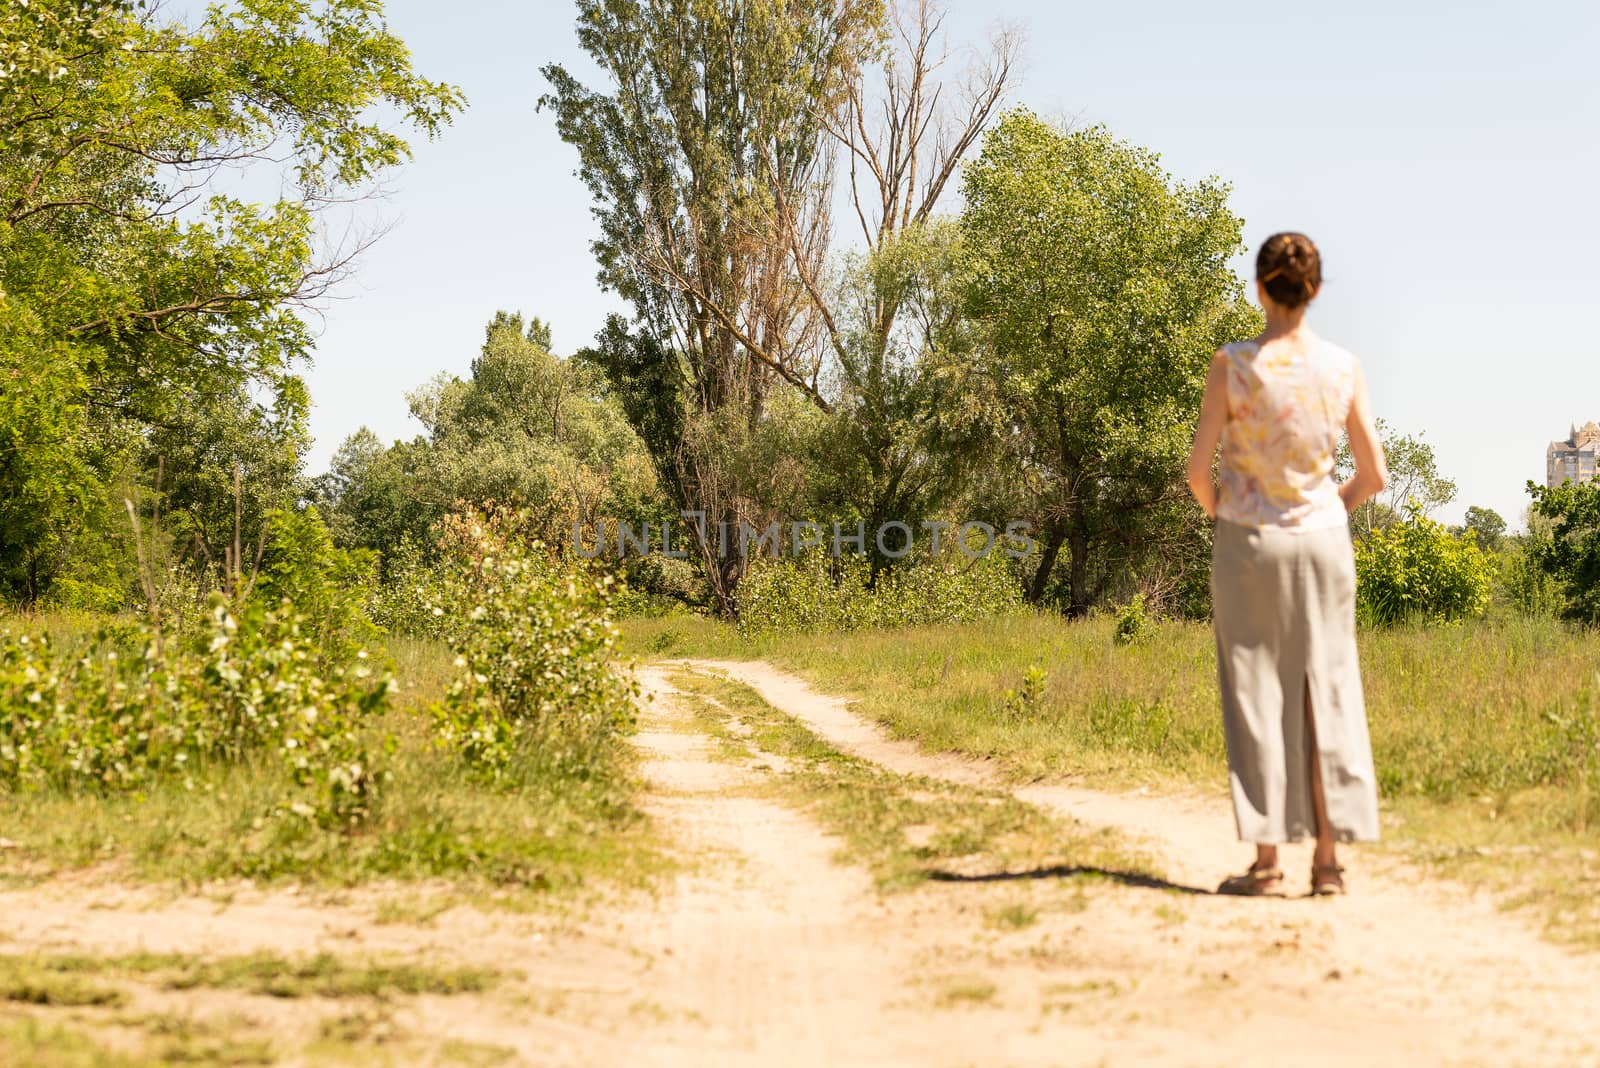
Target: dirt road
{"points": [[1403, 971], [766, 949]]}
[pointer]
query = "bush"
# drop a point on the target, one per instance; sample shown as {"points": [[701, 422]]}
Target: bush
{"points": [[328, 586], [1414, 570], [277, 670], [1524, 585], [812, 592], [1133, 621], [534, 640], [405, 602], [1569, 551], [137, 707]]}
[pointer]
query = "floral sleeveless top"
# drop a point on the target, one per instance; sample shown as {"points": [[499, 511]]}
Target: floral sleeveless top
{"points": [[1286, 411]]}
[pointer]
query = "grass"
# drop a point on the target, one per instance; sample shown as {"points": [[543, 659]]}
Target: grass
{"points": [[364, 989], [904, 829], [412, 911], [32, 986], [33, 978], [541, 833], [965, 993], [1486, 736], [41, 1044], [1013, 917]]}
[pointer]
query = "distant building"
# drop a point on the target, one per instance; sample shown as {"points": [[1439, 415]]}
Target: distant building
{"points": [[1573, 459]]}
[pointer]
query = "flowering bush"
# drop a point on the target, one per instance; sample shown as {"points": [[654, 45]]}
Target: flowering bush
{"points": [[534, 640], [276, 670], [137, 706]]}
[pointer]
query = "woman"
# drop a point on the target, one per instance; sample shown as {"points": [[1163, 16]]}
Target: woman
{"points": [[1283, 575]]}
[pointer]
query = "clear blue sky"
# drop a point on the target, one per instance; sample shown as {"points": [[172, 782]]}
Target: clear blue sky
{"points": [[1444, 155]]}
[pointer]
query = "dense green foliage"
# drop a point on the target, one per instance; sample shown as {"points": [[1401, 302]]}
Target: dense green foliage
{"points": [[534, 644], [1104, 288], [1568, 551], [252, 733], [815, 593], [257, 680], [145, 318], [527, 429], [1414, 570]]}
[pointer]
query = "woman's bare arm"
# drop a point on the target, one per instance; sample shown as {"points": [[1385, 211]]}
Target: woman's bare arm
{"points": [[1213, 413], [1372, 471]]}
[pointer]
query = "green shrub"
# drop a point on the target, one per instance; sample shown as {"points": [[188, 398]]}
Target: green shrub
{"points": [[1026, 701], [328, 586], [812, 592], [1414, 570], [534, 640], [277, 671], [137, 707], [408, 600], [1569, 553], [1523, 584], [1133, 621]]}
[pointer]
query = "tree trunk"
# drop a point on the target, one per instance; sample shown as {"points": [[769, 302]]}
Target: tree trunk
{"points": [[1078, 592], [1047, 563]]}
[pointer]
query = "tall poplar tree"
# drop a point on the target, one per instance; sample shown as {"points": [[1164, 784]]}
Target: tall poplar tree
{"points": [[711, 167]]}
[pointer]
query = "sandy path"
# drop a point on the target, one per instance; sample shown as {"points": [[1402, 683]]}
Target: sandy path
{"points": [[1404, 970]]}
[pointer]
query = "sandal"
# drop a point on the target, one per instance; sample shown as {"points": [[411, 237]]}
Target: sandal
{"points": [[1327, 880], [1255, 882]]}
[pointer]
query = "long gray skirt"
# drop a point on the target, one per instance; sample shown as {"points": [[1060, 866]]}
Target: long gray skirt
{"points": [[1283, 604]]}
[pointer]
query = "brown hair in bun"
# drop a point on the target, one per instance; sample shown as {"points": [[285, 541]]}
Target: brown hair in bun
{"points": [[1290, 267]]}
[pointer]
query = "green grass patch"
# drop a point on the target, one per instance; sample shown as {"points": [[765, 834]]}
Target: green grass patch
{"points": [[1013, 917], [905, 829], [30, 986], [959, 993], [162, 1040], [541, 830]]}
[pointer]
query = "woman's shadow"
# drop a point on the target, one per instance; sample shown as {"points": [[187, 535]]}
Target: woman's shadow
{"points": [[1068, 871]]}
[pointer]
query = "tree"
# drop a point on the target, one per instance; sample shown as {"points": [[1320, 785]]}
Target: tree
{"points": [[1414, 478], [712, 179], [1487, 526], [892, 313], [1103, 288], [372, 497], [136, 293], [225, 464], [1569, 552], [527, 430]]}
